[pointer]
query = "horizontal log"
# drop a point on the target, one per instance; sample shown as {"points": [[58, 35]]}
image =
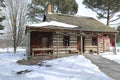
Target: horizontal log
{"points": [[90, 46], [38, 49], [65, 47], [61, 52], [56, 41]]}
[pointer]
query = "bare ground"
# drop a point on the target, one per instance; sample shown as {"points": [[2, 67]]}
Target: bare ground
{"points": [[38, 59]]}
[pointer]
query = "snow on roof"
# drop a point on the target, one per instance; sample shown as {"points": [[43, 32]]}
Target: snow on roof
{"points": [[52, 23]]}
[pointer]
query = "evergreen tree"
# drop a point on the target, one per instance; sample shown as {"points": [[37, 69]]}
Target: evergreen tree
{"points": [[2, 17], [106, 9], [38, 8]]}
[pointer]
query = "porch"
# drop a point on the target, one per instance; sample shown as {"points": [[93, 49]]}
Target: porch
{"points": [[48, 43], [57, 43]]}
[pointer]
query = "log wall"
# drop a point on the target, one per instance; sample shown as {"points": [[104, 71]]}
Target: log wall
{"points": [[64, 49], [88, 44]]}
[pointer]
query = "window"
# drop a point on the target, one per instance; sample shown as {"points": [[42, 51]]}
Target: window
{"points": [[66, 40], [94, 40]]}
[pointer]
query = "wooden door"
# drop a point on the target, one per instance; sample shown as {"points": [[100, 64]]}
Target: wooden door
{"points": [[79, 43]]}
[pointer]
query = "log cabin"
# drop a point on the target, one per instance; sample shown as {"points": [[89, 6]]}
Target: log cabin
{"points": [[62, 33]]}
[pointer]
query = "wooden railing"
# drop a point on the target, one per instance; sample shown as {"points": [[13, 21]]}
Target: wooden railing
{"points": [[70, 49], [40, 49]]}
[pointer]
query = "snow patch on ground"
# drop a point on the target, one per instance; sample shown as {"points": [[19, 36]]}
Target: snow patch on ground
{"points": [[68, 68], [113, 57]]}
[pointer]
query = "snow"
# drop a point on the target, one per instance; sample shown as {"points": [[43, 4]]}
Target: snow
{"points": [[113, 57], [1, 31], [9, 50], [53, 23], [68, 68]]}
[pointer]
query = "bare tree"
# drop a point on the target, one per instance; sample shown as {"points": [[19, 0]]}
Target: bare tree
{"points": [[16, 15]]}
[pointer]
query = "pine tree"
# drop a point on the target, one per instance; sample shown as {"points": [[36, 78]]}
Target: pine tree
{"points": [[106, 9], [38, 8], [2, 17]]}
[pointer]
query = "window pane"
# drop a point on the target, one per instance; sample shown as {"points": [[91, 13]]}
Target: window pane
{"points": [[66, 40], [94, 40]]}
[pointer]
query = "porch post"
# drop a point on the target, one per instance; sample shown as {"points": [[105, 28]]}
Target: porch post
{"points": [[28, 44], [57, 44], [103, 44], [81, 44], [98, 45], [115, 45]]}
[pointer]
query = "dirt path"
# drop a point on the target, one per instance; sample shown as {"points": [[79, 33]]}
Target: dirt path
{"points": [[110, 68]]}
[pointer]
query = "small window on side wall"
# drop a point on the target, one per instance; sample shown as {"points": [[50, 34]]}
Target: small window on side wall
{"points": [[94, 40], [66, 40]]}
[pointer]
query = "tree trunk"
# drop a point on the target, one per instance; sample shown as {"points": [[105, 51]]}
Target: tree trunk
{"points": [[108, 15], [14, 41], [15, 47]]}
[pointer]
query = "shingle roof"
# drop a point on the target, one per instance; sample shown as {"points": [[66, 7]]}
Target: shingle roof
{"points": [[84, 23]]}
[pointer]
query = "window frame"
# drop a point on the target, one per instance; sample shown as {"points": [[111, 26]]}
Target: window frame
{"points": [[66, 40], [94, 40]]}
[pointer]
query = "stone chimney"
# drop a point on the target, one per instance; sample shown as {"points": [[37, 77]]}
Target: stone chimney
{"points": [[49, 9]]}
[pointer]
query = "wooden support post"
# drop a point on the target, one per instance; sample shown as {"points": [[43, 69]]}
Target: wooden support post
{"points": [[32, 53], [115, 44], [103, 45], [28, 44], [81, 44], [57, 44], [98, 45]]}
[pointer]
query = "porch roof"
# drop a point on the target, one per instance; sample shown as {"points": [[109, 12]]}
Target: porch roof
{"points": [[83, 23]]}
